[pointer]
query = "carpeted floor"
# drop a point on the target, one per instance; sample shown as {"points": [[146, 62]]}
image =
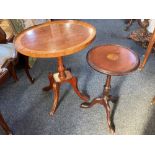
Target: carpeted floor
{"points": [[25, 106]]}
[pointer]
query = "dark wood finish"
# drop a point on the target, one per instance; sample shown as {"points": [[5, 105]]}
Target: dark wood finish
{"points": [[148, 51], [113, 59], [5, 126], [104, 100], [3, 76], [56, 39], [110, 60], [24, 61], [10, 65], [27, 67], [2, 36]]}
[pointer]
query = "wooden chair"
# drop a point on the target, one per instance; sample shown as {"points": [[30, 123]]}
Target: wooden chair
{"points": [[148, 51], [8, 60], [9, 57]]}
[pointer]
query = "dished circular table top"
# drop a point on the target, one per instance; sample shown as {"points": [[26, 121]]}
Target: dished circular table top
{"points": [[113, 59], [55, 38]]}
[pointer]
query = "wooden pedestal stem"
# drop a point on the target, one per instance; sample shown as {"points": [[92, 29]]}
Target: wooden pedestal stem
{"points": [[61, 69]]}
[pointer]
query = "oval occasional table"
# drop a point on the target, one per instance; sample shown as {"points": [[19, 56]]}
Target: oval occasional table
{"points": [[56, 39], [112, 60]]}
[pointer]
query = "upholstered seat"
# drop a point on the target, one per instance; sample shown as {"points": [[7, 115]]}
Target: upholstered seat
{"points": [[7, 51]]}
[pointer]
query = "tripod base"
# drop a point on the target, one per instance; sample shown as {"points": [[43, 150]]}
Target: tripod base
{"points": [[103, 101], [55, 83]]}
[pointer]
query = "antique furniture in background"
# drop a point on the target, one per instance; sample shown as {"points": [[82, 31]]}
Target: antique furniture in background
{"points": [[112, 60], [8, 57], [19, 25], [56, 39], [6, 65], [141, 35], [129, 23], [7, 61]]}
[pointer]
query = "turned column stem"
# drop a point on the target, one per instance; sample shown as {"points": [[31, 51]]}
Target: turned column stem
{"points": [[61, 68], [107, 86]]}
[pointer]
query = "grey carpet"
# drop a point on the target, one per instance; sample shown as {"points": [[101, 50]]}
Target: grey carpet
{"points": [[25, 106]]}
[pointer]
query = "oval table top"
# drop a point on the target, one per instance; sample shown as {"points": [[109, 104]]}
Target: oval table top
{"points": [[55, 38], [113, 59]]}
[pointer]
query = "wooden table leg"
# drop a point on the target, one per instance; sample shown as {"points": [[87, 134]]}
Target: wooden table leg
{"points": [[74, 83], [59, 78], [27, 67], [4, 125], [55, 86], [104, 100], [12, 70], [148, 51]]}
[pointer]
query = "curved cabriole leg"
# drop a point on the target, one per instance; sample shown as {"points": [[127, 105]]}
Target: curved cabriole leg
{"points": [[107, 108], [55, 87], [92, 103], [29, 76], [4, 125], [73, 81], [104, 100]]}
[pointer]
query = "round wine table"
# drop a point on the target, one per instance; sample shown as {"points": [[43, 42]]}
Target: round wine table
{"points": [[112, 60], [56, 39]]}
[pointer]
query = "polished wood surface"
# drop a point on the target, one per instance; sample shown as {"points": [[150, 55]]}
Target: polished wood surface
{"points": [[113, 59], [110, 60], [55, 38]]}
